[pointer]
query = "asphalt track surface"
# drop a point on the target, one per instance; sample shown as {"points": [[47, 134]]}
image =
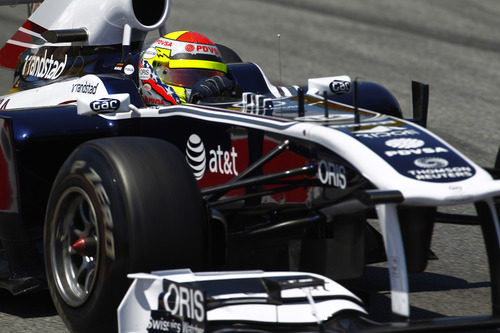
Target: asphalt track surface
{"points": [[453, 45]]}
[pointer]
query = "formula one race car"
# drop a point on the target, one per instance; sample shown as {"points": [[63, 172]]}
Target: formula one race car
{"points": [[96, 185]]}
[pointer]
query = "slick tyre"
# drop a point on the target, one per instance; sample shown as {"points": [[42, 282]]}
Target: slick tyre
{"points": [[117, 206]]}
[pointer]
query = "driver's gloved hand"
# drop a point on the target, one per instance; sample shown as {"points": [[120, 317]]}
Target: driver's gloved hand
{"points": [[210, 87]]}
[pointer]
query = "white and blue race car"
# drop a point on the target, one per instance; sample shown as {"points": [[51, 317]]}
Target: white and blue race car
{"points": [[95, 185]]}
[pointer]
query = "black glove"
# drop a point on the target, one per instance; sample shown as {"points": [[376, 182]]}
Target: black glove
{"points": [[210, 87]]}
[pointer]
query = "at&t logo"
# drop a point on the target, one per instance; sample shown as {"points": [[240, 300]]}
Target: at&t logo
{"points": [[219, 161], [195, 156]]}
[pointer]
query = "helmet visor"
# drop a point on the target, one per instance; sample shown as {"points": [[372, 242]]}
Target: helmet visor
{"points": [[185, 77]]}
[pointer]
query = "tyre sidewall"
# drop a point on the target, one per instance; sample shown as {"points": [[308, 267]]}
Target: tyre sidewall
{"points": [[112, 258]]}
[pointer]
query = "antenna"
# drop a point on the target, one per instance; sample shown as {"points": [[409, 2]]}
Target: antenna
{"points": [[279, 56], [325, 100]]}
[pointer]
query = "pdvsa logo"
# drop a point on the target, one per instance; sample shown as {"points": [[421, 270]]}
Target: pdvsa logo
{"points": [[219, 161]]}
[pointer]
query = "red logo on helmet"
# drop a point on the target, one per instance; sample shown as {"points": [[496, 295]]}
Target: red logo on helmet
{"points": [[189, 48], [207, 49]]}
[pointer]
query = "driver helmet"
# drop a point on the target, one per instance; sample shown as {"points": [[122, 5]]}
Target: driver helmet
{"points": [[175, 63]]}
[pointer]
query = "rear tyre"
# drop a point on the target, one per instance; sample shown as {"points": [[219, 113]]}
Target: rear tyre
{"points": [[117, 206]]}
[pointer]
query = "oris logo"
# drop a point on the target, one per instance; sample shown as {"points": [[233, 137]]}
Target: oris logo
{"points": [[431, 162], [195, 156], [404, 143], [185, 302], [332, 174]]}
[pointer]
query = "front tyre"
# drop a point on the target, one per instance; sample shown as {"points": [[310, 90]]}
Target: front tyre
{"points": [[117, 206]]}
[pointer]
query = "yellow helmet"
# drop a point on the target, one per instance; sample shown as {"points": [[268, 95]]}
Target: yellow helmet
{"points": [[179, 60]]}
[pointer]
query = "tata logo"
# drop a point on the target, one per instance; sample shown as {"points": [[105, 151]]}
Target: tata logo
{"points": [[105, 105]]}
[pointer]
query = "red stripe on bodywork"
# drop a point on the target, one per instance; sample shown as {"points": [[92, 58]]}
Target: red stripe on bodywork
{"points": [[33, 27], [9, 54], [21, 36]]}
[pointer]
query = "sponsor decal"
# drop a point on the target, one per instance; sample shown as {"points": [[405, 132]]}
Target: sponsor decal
{"points": [[152, 100], [433, 168], [150, 53], [332, 174], [442, 173], [205, 49], [163, 43], [84, 88], [185, 47], [340, 86], [404, 143], [195, 156], [147, 87], [219, 161], [223, 162], [373, 123], [161, 321], [413, 153], [181, 309], [144, 73], [105, 104], [129, 69], [96, 181], [3, 103], [416, 151], [118, 66], [385, 132], [43, 67], [431, 162]]}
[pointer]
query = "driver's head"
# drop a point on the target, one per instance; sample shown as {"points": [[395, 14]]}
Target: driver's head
{"points": [[173, 64]]}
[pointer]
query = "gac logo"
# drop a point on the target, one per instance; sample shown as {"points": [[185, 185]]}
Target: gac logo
{"points": [[105, 104], [340, 87]]}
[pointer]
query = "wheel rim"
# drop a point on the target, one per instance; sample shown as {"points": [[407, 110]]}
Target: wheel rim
{"points": [[75, 246]]}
